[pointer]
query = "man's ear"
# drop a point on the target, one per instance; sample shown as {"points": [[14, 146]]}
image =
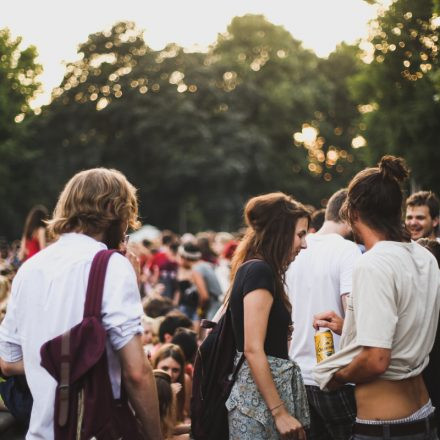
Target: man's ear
{"points": [[167, 338], [435, 222]]}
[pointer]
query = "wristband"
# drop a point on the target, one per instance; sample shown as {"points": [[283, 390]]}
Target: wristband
{"points": [[276, 406]]}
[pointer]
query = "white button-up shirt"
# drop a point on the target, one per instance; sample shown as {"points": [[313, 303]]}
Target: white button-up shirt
{"points": [[48, 295]]}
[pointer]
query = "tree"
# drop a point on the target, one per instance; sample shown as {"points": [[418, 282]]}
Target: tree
{"points": [[332, 136], [197, 133], [18, 85], [398, 92], [289, 94]]}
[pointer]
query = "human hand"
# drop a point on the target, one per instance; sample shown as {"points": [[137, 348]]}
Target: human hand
{"points": [[134, 260], [333, 384], [288, 427], [176, 387], [328, 319]]}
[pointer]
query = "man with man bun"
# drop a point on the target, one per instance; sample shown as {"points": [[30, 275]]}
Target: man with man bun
{"points": [[391, 316]]}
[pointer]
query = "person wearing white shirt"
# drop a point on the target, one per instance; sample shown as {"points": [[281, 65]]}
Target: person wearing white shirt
{"points": [[318, 282], [392, 314], [48, 293]]}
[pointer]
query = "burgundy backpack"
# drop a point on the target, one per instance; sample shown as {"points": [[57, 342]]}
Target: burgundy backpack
{"points": [[77, 360]]}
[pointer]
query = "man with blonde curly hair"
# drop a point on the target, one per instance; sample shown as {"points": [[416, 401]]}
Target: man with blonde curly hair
{"points": [[93, 212]]}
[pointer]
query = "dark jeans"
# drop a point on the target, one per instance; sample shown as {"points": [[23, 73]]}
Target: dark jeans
{"points": [[332, 413]]}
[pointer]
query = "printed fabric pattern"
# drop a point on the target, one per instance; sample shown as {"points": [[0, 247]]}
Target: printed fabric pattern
{"points": [[246, 398]]}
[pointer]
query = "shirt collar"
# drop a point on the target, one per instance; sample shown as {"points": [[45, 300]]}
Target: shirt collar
{"points": [[80, 238]]}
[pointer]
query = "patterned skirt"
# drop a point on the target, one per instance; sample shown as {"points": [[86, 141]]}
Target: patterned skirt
{"points": [[248, 415]]}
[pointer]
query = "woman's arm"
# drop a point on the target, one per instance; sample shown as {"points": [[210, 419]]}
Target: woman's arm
{"points": [[22, 252], [201, 287], [257, 305], [188, 393]]}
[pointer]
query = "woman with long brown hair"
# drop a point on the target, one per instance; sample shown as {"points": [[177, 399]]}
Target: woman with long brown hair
{"points": [[268, 390], [170, 358]]}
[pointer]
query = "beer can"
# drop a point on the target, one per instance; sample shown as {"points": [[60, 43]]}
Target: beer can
{"points": [[324, 346]]}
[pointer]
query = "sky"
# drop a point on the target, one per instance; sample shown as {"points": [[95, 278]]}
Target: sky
{"points": [[57, 28]]}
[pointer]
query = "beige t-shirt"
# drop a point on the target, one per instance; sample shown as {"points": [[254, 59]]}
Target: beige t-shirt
{"points": [[394, 304]]}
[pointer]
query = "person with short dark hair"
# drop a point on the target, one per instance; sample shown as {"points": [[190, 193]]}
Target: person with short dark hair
{"points": [[392, 314], [422, 215], [319, 282], [186, 339], [316, 220], [157, 306], [172, 321]]}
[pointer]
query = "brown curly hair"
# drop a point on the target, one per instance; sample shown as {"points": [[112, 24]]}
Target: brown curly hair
{"points": [[92, 201]]}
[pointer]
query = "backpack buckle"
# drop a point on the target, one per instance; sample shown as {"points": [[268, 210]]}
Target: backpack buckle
{"points": [[63, 389]]}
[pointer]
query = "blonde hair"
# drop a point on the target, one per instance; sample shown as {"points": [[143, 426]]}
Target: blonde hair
{"points": [[94, 199]]}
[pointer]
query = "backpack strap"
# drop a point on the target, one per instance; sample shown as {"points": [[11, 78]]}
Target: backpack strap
{"points": [[95, 286], [92, 307], [63, 386], [242, 357], [237, 367]]}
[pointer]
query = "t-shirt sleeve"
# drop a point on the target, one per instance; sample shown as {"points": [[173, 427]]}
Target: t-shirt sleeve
{"points": [[121, 304], [259, 275], [349, 258], [10, 341], [374, 305]]}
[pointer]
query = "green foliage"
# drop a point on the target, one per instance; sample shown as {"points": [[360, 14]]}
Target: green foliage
{"points": [[199, 133], [18, 81], [398, 91], [18, 84]]}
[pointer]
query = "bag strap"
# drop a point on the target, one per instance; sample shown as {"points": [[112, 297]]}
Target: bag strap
{"points": [[95, 286], [92, 307], [64, 384], [242, 357], [237, 367]]}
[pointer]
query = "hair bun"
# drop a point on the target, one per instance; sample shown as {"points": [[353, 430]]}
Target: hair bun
{"points": [[393, 168]]}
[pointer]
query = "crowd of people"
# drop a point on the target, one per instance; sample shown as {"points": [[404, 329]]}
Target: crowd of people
{"points": [[362, 267]]}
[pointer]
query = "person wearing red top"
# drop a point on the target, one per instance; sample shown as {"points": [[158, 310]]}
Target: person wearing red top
{"points": [[163, 266], [34, 234]]}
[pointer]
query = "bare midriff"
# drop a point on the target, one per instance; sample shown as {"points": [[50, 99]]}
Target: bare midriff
{"points": [[390, 400]]}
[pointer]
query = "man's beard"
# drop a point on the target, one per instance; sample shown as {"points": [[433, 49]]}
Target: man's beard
{"points": [[114, 235], [357, 238]]}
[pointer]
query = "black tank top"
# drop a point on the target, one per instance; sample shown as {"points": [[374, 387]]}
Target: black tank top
{"points": [[189, 296]]}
